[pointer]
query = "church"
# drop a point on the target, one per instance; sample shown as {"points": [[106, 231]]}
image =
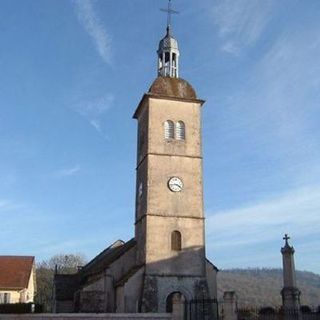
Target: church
{"points": [[166, 259]]}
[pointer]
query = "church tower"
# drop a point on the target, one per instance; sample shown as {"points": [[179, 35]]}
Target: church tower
{"points": [[169, 218]]}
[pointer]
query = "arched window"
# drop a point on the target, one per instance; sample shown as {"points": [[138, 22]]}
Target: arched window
{"points": [[180, 130], [176, 241], [169, 129]]}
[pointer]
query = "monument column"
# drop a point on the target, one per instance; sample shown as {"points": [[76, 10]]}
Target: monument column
{"points": [[290, 293]]}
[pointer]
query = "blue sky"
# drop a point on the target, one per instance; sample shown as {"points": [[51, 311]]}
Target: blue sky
{"points": [[71, 76]]}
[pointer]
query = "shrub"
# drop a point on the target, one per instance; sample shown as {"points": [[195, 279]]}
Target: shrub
{"points": [[20, 308], [305, 309], [267, 310]]}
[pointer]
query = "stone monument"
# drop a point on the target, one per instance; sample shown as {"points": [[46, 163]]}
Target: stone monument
{"points": [[290, 293]]}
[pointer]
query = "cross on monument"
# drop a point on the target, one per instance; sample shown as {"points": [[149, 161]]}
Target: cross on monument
{"points": [[286, 238], [170, 11]]}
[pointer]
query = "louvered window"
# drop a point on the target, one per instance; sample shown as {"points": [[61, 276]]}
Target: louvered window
{"points": [[176, 241], [141, 139], [180, 130], [169, 129]]}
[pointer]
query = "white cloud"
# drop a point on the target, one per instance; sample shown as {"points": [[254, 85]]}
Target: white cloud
{"points": [[67, 172], [50, 249], [296, 213], [241, 22], [3, 203], [276, 110], [96, 30], [251, 236], [8, 205], [93, 109], [96, 124], [287, 99]]}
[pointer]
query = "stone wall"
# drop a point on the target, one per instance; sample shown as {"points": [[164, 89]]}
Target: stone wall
{"points": [[87, 316]]}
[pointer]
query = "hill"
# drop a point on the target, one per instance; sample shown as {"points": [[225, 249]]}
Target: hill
{"points": [[261, 287]]}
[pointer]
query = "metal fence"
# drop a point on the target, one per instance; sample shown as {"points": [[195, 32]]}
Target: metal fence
{"points": [[270, 313], [201, 309]]}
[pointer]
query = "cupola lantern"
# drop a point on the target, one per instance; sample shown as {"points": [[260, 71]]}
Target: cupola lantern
{"points": [[168, 52]]}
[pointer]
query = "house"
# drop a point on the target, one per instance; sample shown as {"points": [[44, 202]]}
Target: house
{"points": [[17, 279]]}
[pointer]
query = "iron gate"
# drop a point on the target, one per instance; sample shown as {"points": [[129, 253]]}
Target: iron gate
{"points": [[201, 309]]}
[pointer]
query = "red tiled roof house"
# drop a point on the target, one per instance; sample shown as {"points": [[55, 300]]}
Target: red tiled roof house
{"points": [[17, 279]]}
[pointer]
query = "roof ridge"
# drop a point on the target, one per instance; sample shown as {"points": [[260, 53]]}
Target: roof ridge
{"points": [[13, 256]]}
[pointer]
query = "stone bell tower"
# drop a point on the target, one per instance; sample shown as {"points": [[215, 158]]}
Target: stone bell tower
{"points": [[169, 219]]}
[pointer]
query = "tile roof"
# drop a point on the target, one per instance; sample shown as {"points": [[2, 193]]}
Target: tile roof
{"points": [[106, 257], [66, 285], [173, 87], [15, 271]]}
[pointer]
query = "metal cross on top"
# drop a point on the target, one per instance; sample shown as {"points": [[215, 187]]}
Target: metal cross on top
{"points": [[170, 11], [286, 238]]}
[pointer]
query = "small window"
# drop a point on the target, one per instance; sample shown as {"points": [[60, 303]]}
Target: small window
{"points": [[176, 241], [4, 297], [169, 129], [141, 138], [180, 131]]}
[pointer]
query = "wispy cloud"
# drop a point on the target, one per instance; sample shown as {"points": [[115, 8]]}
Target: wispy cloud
{"points": [[8, 205], [240, 23], [275, 109], [97, 125], [296, 212], [94, 109], [94, 27], [273, 115], [252, 230], [289, 102], [49, 249], [67, 172]]}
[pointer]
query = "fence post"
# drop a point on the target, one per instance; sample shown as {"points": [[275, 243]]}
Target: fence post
{"points": [[229, 306]]}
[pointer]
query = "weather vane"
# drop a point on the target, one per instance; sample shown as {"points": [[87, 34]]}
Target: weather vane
{"points": [[169, 11]]}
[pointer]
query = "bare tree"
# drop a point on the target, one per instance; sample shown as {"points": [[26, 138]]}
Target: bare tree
{"points": [[63, 264]]}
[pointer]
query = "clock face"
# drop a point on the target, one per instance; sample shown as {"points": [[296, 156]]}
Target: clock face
{"points": [[175, 184]]}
